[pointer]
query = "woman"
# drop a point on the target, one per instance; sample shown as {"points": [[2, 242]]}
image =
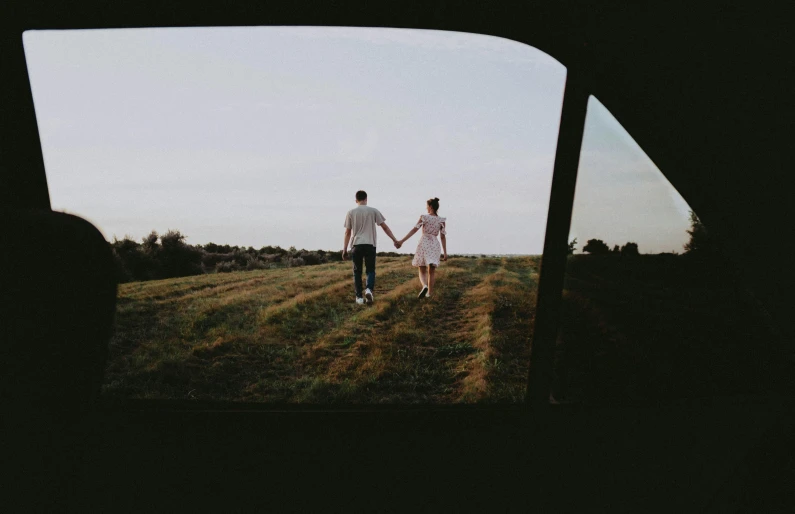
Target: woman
{"points": [[427, 256]]}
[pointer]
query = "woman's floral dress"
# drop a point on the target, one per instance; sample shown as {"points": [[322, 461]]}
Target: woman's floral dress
{"points": [[429, 250]]}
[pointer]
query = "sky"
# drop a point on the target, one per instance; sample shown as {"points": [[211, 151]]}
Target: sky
{"points": [[621, 196], [259, 136]]}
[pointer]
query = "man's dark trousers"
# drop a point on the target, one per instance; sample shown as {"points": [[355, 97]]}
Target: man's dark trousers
{"points": [[364, 253]]}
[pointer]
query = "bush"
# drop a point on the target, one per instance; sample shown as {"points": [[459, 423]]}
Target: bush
{"points": [[211, 259], [272, 250], [132, 262], [311, 258], [333, 256], [700, 241], [596, 247], [630, 249], [254, 264], [178, 259], [572, 246], [295, 261], [227, 267], [150, 245]]}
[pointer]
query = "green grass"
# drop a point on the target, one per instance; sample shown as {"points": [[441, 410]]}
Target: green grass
{"points": [[295, 335]]}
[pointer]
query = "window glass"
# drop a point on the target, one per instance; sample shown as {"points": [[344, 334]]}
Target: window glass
{"points": [[652, 310], [220, 164]]}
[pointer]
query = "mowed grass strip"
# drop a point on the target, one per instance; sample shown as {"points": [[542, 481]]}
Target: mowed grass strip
{"points": [[177, 348], [305, 319], [478, 306], [188, 288], [300, 323], [308, 316], [404, 351], [147, 319], [157, 343], [515, 295], [498, 314], [189, 317]]}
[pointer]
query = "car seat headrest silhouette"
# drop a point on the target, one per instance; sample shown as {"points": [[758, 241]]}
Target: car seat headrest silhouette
{"points": [[58, 299]]}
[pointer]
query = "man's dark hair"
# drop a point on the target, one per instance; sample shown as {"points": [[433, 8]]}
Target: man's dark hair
{"points": [[361, 195]]}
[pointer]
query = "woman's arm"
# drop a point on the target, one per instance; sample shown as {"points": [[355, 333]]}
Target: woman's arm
{"points": [[411, 233], [444, 245]]}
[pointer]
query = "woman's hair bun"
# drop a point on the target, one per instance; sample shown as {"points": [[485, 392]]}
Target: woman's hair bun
{"points": [[436, 199]]}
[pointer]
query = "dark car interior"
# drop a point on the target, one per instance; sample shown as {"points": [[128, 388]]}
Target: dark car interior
{"points": [[706, 91]]}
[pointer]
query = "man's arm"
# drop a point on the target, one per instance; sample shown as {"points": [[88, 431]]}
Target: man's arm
{"points": [[384, 226], [345, 243]]}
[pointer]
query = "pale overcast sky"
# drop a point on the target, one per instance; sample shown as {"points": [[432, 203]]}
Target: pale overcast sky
{"points": [[261, 135]]}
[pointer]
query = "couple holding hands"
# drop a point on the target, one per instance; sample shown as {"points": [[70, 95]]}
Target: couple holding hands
{"points": [[360, 233]]}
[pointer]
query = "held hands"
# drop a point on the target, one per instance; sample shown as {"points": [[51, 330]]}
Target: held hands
{"points": [[398, 244]]}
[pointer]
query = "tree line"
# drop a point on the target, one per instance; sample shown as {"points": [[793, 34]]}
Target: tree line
{"points": [[700, 243], [169, 256]]}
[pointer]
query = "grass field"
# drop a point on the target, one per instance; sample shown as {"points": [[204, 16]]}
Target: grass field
{"points": [[295, 335], [633, 330]]}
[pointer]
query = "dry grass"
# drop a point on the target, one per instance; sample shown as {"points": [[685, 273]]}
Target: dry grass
{"points": [[295, 335]]}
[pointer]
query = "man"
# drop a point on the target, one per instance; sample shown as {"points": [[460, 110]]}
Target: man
{"points": [[360, 231]]}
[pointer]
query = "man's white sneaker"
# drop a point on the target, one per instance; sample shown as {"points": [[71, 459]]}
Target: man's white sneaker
{"points": [[360, 301], [368, 296]]}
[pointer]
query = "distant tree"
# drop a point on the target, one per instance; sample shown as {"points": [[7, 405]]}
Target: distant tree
{"points": [[212, 248], [128, 258], [172, 239], [150, 245], [596, 247], [572, 246], [616, 249], [271, 250], [700, 241], [136, 261], [178, 259], [630, 249]]}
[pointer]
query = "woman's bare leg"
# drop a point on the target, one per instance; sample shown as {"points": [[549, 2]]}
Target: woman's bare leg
{"points": [[431, 278], [423, 271]]}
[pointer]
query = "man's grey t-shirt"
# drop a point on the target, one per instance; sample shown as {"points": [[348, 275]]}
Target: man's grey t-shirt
{"points": [[362, 221]]}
